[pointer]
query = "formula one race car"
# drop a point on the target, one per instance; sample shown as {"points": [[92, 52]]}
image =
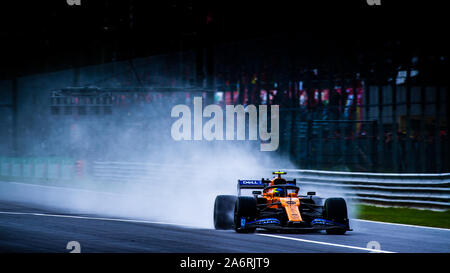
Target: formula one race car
{"points": [[279, 207]]}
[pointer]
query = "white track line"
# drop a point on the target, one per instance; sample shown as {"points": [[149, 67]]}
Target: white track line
{"points": [[94, 218], [397, 224], [167, 223], [325, 243]]}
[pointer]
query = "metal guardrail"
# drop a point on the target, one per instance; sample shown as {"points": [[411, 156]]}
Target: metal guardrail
{"points": [[406, 190], [39, 168], [409, 190], [389, 189]]}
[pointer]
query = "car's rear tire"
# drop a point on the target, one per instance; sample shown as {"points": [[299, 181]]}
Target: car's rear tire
{"points": [[223, 211], [335, 209], [245, 207]]}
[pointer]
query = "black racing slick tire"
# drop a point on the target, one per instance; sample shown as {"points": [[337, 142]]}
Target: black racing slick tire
{"points": [[335, 209], [223, 211], [245, 207]]}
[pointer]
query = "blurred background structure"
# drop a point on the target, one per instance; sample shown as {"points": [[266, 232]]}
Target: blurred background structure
{"points": [[371, 98]]}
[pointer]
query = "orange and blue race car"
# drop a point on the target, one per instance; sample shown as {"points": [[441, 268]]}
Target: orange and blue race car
{"points": [[276, 205]]}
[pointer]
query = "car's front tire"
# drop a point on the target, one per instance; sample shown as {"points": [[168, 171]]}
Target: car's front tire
{"points": [[335, 209], [245, 207], [223, 211]]}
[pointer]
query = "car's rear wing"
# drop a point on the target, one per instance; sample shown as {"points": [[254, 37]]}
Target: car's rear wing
{"points": [[258, 184], [251, 184]]}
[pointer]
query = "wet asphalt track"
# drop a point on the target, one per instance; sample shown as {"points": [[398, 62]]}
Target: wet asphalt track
{"points": [[27, 229]]}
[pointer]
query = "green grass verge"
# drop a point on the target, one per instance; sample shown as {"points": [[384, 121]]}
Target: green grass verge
{"points": [[405, 216]]}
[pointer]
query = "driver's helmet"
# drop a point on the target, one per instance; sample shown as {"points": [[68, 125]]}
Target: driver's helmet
{"points": [[278, 181], [278, 192]]}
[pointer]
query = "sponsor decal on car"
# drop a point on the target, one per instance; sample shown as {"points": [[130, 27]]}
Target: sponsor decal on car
{"points": [[324, 222], [266, 221], [242, 222], [250, 182]]}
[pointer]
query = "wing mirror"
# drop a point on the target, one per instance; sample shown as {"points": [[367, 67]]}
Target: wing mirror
{"points": [[311, 193], [256, 192]]}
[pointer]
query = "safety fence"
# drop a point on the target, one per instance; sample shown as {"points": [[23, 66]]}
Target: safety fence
{"points": [[408, 190], [389, 189], [362, 145], [40, 168], [405, 190]]}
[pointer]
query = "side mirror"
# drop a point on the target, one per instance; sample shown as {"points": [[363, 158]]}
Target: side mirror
{"points": [[311, 193], [256, 192]]}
